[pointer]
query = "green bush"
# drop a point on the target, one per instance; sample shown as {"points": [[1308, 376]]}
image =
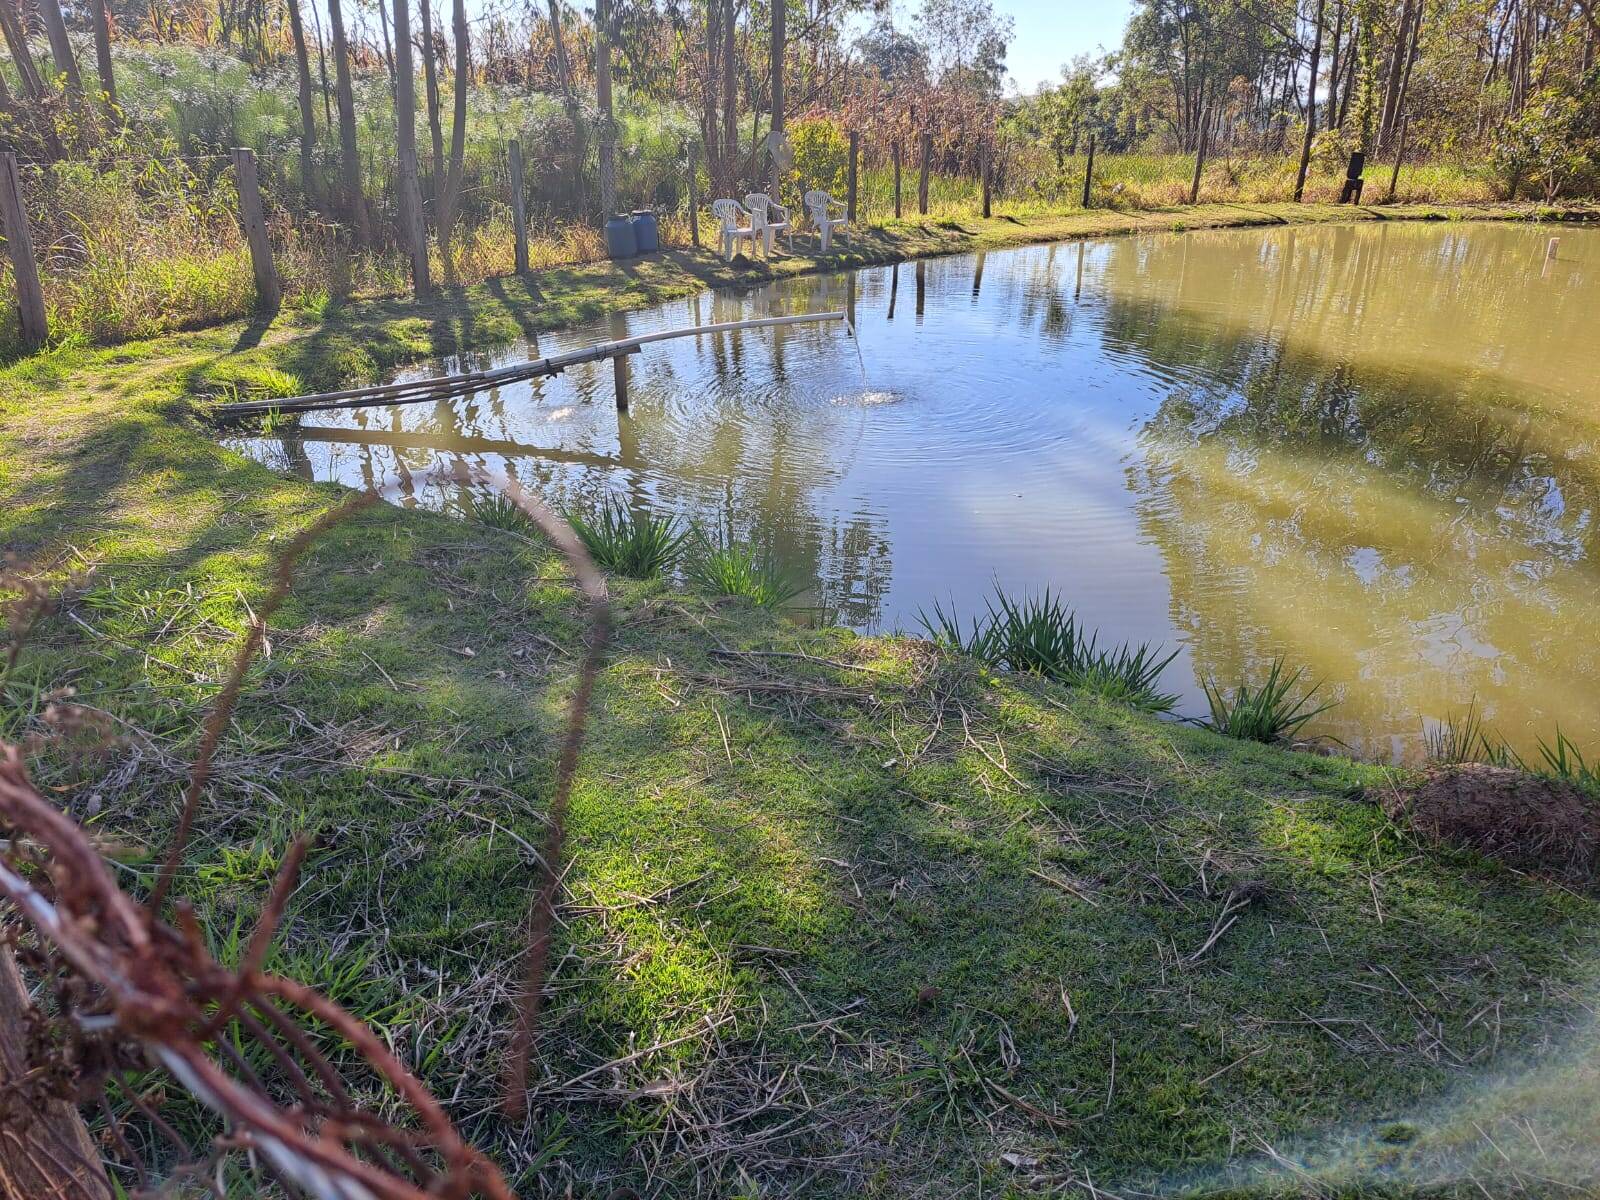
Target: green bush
{"points": [[821, 157]]}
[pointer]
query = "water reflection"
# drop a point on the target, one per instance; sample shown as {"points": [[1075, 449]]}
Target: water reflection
{"points": [[1370, 448]]}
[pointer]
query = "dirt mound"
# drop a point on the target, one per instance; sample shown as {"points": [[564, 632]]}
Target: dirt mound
{"points": [[1540, 825]]}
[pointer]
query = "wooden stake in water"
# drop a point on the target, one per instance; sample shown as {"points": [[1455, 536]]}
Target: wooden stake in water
{"points": [[619, 376]]}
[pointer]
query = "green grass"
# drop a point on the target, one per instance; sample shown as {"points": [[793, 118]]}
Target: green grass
{"points": [[739, 569], [1041, 635], [498, 512], [1269, 711], [849, 902], [637, 544]]}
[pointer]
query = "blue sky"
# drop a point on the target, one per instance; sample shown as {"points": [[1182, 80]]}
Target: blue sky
{"points": [[1050, 32]]}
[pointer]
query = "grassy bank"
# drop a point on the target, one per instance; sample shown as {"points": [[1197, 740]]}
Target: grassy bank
{"points": [[860, 918]]}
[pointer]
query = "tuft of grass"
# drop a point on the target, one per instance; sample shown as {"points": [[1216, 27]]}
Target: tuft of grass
{"points": [[739, 569], [497, 512], [1465, 738], [1041, 635], [1267, 713], [1565, 761], [639, 545]]}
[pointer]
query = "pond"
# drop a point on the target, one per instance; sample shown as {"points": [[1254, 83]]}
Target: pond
{"points": [[1372, 449]]}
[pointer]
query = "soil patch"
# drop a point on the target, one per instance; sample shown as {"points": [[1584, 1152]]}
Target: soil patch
{"points": [[1535, 824]]}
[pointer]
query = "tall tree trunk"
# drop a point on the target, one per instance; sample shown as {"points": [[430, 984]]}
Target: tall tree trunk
{"points": [[430, 81], [730, 93], [569, 95], [779, 36], [1333, 67], [1311, 106], [46, 1152], [1397, 64], [349, 154], [1405, 78], [308, 113], [55, 27], [102, 57], [322, 71], [17, 41], [450, 197], [405, 114], [608, 127], [709, 94]]}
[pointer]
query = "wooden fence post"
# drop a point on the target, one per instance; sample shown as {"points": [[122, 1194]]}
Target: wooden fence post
{"points": [[897, 181], [1088, 172], [985, 169], [268, 293], [694, 199], [922, 182], [19, 240], [519, 215], [1199, 159], [850, 200]]}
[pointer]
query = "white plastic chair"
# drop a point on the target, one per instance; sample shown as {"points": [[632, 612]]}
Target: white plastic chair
{"points": [[819, 206], [727, 213], [769, 219]]}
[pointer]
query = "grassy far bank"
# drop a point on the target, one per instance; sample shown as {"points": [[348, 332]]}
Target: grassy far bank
{"points": [[880, 924], [951, 228]]}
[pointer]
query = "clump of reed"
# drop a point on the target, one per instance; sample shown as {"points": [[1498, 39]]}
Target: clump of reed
{"points": [[731, 568], [1465, 737], [639, 545], [1042, 636], [497, 512], [1266, 712]]}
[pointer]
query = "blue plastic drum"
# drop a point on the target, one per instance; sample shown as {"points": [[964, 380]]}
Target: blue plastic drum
{"points": [[620, 241], [645, 234]]}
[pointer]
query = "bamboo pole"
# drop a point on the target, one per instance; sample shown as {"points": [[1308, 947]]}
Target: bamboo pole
{"points": [[440, 386]]}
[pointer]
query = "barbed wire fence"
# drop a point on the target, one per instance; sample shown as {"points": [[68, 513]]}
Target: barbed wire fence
{"points": [[133, 1024]]}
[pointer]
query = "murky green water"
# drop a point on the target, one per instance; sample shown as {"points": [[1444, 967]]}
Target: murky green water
{"points": [[1373, 449]]}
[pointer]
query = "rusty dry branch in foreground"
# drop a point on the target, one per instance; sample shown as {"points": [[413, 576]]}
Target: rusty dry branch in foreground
{"points": [[133, 1015]]}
